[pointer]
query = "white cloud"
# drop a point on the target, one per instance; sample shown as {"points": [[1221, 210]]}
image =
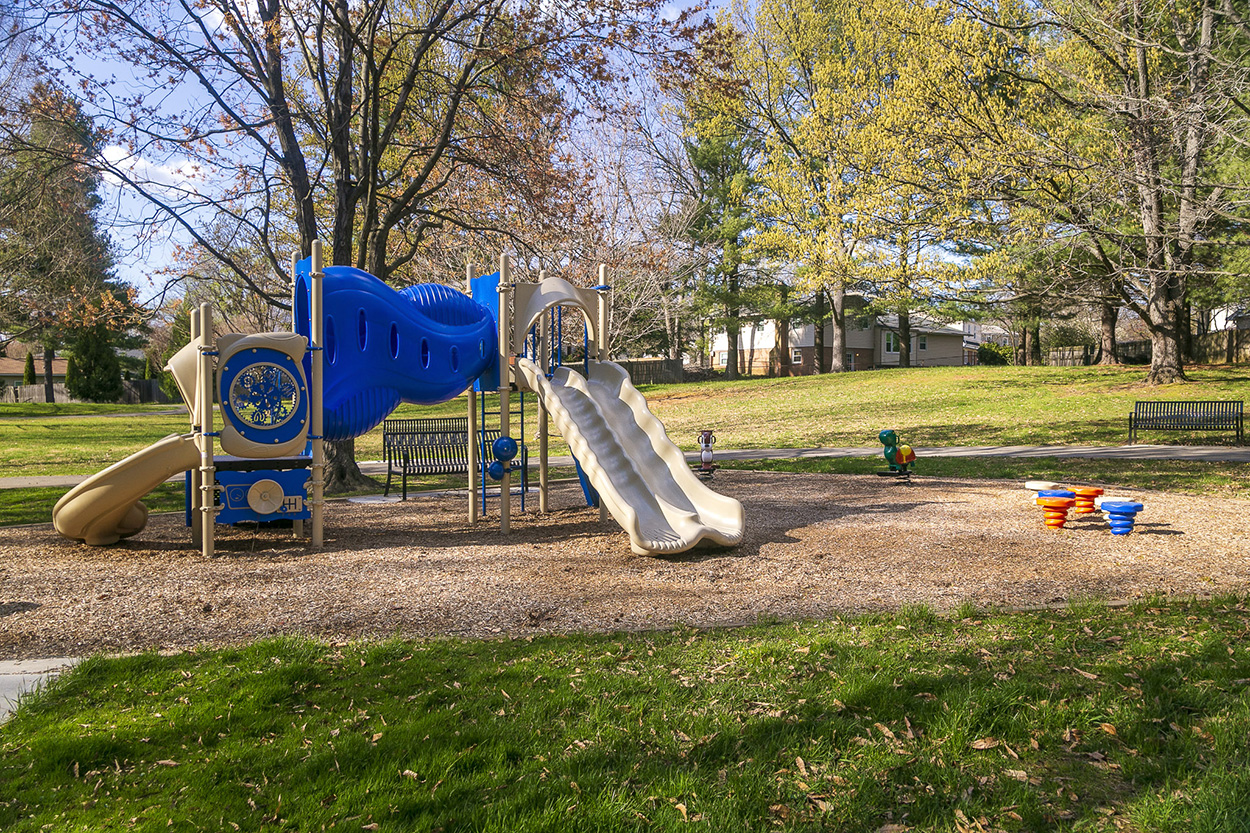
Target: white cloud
{"points": [[173, 174]]}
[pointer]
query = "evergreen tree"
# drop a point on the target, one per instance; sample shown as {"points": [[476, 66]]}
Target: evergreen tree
{"points": [[721, 155], [55, 260], [98, 373], [71, 375], [28, 373]]}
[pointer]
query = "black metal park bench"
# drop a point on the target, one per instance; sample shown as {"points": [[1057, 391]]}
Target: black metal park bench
{"points": [[1172, 415], [437, 445]]}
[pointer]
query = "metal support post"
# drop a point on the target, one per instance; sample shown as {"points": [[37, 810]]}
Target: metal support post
{"points": [[601, 342], [208, 478], [505, 377], [474, 444], [544, 361], [316, 417]]}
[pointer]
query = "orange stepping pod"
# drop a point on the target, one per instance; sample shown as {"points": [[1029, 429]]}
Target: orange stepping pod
{"points": [[1056, 510], [1085, 500]]}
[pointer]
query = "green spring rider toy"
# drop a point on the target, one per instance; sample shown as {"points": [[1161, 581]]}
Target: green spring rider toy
{"points": [[898, 455]]}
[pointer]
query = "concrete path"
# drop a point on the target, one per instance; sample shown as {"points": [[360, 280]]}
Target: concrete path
{"points": [[1210, 453], [19, 676]]}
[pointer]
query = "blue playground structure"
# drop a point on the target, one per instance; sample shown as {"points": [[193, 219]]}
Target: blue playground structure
{"points": [[359, 349]]}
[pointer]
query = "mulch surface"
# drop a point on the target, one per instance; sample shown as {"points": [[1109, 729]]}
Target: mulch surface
{"points": [[816, 546]]}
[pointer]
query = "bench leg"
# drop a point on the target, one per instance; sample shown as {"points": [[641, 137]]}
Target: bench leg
{"points": [[405, 497]]}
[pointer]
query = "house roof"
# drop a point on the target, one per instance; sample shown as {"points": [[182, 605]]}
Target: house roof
{"points": [[923, 325], [16, 367]]}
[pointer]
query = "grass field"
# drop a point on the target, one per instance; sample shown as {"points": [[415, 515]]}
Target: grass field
{"points": [[1084, 719], [1080, 720], [928, 406]]}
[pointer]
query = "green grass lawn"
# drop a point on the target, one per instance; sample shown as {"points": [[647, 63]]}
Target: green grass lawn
{"points": [[1193, 477], [936, 406], [928, 406], [34, 506], [1080, 720]]}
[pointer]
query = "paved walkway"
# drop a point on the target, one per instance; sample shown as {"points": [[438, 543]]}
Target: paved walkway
{"points": [[20, 676], [1210, 453]]}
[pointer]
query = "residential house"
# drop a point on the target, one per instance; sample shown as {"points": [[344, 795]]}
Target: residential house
{"points": [[11, 371], [871, 342]]}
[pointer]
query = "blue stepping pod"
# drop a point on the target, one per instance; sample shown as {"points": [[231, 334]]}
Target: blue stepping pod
{"points": [[1121, 515]]}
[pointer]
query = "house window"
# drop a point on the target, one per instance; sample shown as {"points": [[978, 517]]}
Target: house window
{"points": [[891, 342], [848, 361], [796, 356], [722, 358], [923, 342]]}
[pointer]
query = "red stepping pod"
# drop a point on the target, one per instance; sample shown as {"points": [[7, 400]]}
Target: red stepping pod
{"points": [[1056, 510], [1085, 500]]}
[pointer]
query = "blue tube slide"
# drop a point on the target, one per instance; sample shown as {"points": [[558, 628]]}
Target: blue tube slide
{"points": [[423, 344]]}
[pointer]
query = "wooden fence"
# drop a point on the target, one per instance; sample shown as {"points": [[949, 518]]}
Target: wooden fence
{"points": [[646, 371], [1069, 356], [134, 392], [1224, 347]]}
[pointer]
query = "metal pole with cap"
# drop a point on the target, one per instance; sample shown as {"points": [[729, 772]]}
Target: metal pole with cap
{"points": [[208, 478], [474, 445], [601, 342], [505, 377], [317, 337]]}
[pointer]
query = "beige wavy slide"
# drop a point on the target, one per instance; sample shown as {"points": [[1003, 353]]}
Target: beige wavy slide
{"points": [[106, 507], [641, 476]]}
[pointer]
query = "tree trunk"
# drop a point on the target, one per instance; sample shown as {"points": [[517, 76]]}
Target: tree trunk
{"points": [[838, 364], [904, 338], [818, 365], [732, 316], [1035, 345], [48, 355], [731, 339], [1106, 337], [341, 472], [782, 340]]}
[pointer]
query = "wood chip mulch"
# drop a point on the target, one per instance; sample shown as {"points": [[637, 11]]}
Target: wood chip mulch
{"points": [[816, 546]]}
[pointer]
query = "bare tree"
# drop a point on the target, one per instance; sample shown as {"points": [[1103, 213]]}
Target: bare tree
{"points": [[368, 123]]}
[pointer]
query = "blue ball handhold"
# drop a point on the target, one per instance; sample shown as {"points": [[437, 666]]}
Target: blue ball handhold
{"points": [[504, 448], [1121, 515], [495, 470]]}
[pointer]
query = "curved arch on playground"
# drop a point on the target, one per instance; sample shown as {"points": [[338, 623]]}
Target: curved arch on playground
{"points": [[540, 298]]}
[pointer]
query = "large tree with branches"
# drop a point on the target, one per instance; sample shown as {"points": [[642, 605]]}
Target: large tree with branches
{"points": [[370, 124]]}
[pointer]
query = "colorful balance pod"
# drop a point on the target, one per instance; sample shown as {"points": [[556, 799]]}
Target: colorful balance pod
{"points": [[1121, 515], [1055, 504]]}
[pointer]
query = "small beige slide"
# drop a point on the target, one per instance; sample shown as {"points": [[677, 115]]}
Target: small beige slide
{"points": [[106, 507], [641, 476]]}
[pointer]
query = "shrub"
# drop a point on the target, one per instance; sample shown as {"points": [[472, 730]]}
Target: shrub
{"points": [[994, 354]]}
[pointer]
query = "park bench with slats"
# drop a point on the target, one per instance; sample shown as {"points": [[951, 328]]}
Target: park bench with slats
{"points": [[437, 445], [1171, 415]]}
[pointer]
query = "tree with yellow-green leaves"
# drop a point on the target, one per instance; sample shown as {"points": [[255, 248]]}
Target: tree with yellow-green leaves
{"points": [[854, 192], [804, 97], [1131, 138]]}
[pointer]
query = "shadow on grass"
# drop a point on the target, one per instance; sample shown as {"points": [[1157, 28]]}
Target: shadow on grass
{"points": [[838, 728]]}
